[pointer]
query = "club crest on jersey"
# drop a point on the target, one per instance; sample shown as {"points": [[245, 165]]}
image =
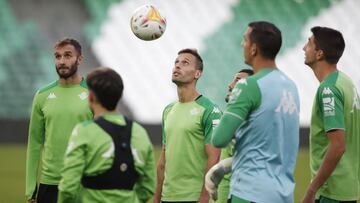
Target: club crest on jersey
{"points": [[83, 95], [194, 111], [51, 96]]}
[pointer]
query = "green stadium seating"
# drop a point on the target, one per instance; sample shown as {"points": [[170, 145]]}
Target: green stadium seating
{"points": [[23, 65], [223, 50]]}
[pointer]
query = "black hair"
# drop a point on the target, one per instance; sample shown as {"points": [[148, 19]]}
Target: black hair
{"points": [[330, 41], [107, 86], [267, 37]]}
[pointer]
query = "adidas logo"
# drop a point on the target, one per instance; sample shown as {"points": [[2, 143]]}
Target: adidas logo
{"points": [[51, 96]]}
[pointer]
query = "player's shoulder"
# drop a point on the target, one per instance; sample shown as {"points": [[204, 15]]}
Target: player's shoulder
{"points": [[204, 101], [208, 104], [83, 83], [48, 87], [85, 125], [168, 108], [329, 85]]}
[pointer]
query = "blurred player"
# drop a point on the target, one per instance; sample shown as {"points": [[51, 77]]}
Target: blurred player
{"points": [[263, 114], [56, 109], [187, 127], [335, 123], [224, 186], [112, 157]]}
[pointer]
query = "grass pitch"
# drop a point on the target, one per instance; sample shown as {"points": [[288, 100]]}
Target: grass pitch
{"points": [[12, 173]]}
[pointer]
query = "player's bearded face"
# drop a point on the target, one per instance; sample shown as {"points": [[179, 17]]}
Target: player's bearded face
{"points": [[65, 71], [185, 71]]}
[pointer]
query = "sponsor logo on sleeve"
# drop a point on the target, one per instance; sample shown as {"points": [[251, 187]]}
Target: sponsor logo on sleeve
{"points": [[328, 102]]}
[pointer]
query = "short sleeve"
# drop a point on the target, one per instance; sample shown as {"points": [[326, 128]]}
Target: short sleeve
{"points": [[331, 105], [211, 119]]}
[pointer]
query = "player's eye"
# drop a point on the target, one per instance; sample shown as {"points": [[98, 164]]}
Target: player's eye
{"points": [[185, 63]]}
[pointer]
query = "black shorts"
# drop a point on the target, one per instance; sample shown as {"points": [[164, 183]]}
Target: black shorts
{"points": [[47, 193], [323, 199]]}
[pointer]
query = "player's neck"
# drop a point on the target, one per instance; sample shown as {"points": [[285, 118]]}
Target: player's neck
{"points": [[73, 80], [100, 111], [187, 93], [261, 63], [323, 69]]}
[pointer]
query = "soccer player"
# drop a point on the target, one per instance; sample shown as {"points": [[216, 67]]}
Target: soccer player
{"points": [[263, 114], [335, 123], [187, 127], [224, 186], [112, 156], [56, 109]]}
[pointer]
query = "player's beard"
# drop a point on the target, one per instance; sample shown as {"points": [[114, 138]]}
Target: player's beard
{"points": [[72, 71]]}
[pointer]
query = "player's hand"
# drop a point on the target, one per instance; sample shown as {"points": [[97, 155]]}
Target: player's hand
{"points": [[214, 176], [210, 185]]}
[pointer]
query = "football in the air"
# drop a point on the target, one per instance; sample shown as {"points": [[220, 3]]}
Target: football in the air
{"points": [[147, 23]]}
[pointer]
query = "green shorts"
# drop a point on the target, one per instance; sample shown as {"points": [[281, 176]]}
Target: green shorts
{"points": [[323, 199], [235, 199]]}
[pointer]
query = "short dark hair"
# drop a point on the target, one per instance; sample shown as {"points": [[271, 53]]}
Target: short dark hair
{"points": [[194, 52], [267, 37], [330, 41], [248, 71], [107, 86], [69, 41]]}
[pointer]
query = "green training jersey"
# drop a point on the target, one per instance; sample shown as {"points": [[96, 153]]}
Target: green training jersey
{"points": [[337, 106], [187, 128], [91, 152], [56, 110]]}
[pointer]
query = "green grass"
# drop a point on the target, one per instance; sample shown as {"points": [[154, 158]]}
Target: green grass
{"points": [[12, 173]]}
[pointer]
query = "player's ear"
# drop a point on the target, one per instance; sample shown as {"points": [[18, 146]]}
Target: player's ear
{"points": [[253, 49], [91, 97], [320, 55], [198, 74], [80, 59]]}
